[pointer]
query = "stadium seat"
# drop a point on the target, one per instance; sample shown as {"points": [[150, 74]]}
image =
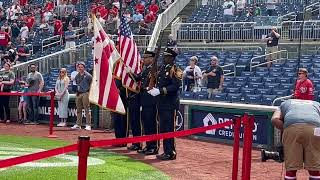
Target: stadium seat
{"points": [[187, 95], [246, 90], [269, 79], [254, 79], [232, 90], [255, 85], [275, 74], [263, 91], [286, 85], [253, 98], [234, 97], [202, 95], [284, 79], [271, 85], [247, 73], [280, 92], [239, 84], [267, 99], [262, 73], [220, 97], [240, 79], [228, 79]]}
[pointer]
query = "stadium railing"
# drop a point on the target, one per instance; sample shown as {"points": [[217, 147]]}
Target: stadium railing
{"points": [[281, 55], [54, 60], [245, 31], [164, 19], [220, 2], [48, 42]]}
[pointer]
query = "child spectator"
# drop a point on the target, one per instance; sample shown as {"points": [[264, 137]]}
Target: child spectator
{"points": [[22, 108]]}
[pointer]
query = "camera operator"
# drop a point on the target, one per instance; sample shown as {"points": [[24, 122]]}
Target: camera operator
{"points": [[299, 120]]}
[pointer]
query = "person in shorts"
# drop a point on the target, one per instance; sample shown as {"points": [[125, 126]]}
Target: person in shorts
{"points": [[300, 122]]}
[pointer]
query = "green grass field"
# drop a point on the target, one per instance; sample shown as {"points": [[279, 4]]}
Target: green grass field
{"points": [[112, 166]]}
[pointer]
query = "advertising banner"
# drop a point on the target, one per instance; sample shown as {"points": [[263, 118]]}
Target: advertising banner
{"points": [[261, 129]]}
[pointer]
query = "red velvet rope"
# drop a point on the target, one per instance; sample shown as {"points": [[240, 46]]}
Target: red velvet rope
{"points": [[37, 156], [101, 143], [24, 94]]}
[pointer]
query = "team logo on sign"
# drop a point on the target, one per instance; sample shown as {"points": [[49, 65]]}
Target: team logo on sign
{"points": [[208, 121]]}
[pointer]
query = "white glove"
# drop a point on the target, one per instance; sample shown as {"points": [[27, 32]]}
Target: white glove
{"points": [[127, 69], [154, 92]]}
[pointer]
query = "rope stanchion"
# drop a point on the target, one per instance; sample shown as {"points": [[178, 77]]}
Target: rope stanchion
{"points": [[51, 135], [247, 146], [51, 94], [83, 153], [236, 147]]}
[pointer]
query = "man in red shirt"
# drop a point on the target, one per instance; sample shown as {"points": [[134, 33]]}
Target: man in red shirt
{"points": [[304, 87], [23, 2], [30, 19], [49, 6], [154, 7], [4, 39], [149, 17], [57, 26], [139, 7]]}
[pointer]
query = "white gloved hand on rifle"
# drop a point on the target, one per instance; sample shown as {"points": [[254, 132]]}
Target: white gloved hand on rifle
{"points": [[154, 92]]}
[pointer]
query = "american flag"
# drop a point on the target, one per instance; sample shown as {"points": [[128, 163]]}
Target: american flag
{"points": [[104, 91], [130, 56]]}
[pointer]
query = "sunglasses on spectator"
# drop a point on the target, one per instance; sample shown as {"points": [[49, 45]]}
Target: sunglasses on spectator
{"points": [[300, 73]]}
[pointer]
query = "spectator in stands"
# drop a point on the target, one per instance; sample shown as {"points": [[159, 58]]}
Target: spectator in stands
{"points": [[4, 39], [47, 16], [304, 86], [100, 19], [154, 7], [35, 85], [30, 21], [127, 14], [10, 54], [70, 37], [23, 52], [171, 43], [271, 7], [139, 7], [241, 6], [44, 29], [83, 80], [22, 107], [257, 10], [214, 77], [192, 74], [165, 4], [228, 10], [272, 45], [143, 28], [15, 31], [6, 27], [149, 17], [72, 76], [75, 21], [62, 95], [7, 78], [57, 26], [137, 17], [24, 31]]}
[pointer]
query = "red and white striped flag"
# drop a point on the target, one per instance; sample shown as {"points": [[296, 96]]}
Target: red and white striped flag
{"points": [[130, 56], [104, 91]]}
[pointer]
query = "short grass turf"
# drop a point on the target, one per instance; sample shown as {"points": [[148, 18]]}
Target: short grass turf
{"points": [[115, 167]]}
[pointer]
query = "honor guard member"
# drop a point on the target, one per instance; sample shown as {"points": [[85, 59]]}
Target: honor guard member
{"points": [[147, 102], [169, 81], [133, 114], [121, 121]]}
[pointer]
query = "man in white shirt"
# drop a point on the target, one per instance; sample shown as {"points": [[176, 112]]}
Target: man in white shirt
{"points": [[228, 10], [192, 74], [24, 31], [241, 5]]}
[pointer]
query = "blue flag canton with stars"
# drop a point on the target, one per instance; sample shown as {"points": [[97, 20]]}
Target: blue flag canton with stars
{"points": [[125, 28]]}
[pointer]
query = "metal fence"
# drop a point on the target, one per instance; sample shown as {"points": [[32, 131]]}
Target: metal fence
{"points": [[55, 60], [261, 60], [220, 2], [245, 31]]}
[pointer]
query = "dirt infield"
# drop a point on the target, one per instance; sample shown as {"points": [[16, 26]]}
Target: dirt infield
{"points": [[195, 160]]}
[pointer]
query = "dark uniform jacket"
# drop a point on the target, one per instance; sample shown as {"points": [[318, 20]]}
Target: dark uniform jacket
{"points": [[169, 83]]}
